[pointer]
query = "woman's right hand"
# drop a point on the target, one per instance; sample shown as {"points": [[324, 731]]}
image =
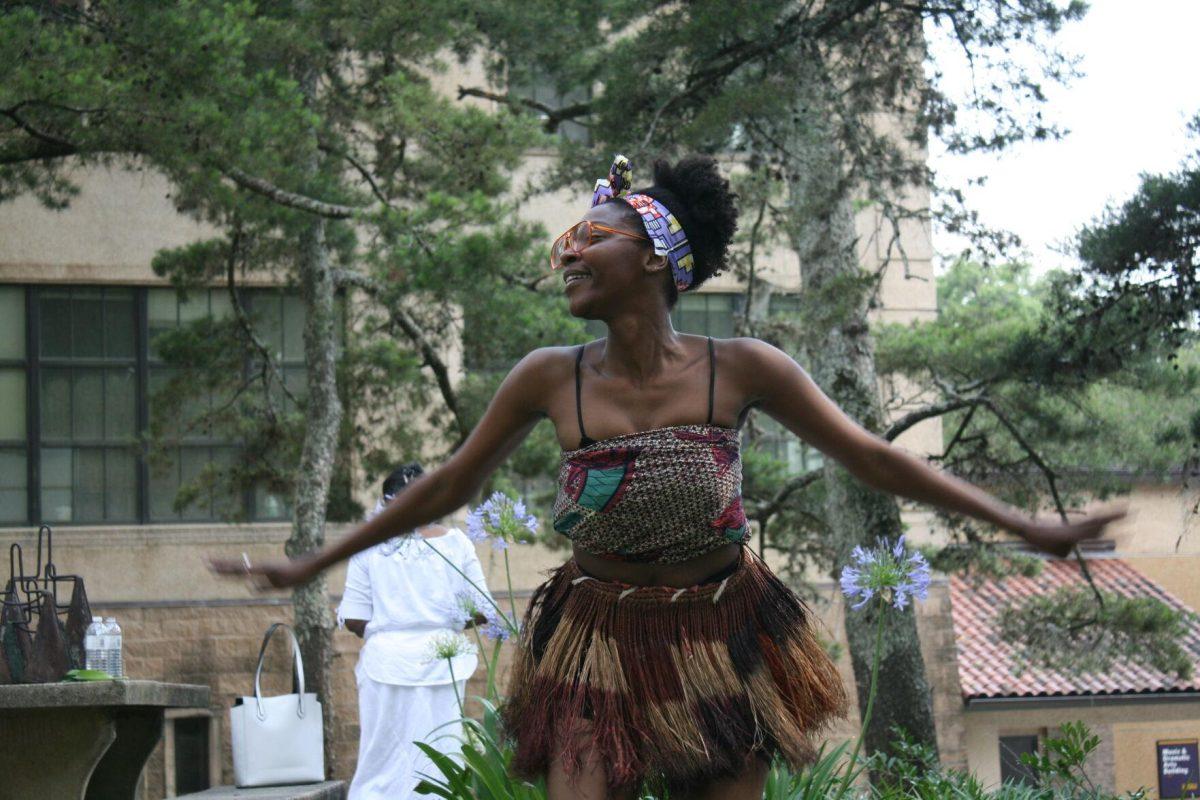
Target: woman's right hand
{"points": [[275, 573]]}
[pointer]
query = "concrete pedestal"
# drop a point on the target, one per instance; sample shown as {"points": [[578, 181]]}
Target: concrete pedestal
{"points": [[84, 741]]}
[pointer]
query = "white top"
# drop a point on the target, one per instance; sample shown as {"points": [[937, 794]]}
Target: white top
{"points": [[408, 595]]}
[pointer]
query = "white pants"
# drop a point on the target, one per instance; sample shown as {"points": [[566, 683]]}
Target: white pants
{"points": [[391, 718]]}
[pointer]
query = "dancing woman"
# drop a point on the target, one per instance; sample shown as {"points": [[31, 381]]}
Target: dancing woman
{"points": [[663, 647]]}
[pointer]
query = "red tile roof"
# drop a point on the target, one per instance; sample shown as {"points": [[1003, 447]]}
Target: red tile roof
{"points": [[986, 663]]}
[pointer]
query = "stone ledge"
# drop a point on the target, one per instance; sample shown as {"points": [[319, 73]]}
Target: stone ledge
{"points": [[133, 535], [329, 790], [104, 693]]}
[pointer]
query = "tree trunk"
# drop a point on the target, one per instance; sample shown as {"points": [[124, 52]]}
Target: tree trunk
{"points": [[323, 416], [840, 355]]}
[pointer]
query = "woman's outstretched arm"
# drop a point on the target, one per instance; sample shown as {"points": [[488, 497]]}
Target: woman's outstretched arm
{"points": [[785, 391], [516, 407]]}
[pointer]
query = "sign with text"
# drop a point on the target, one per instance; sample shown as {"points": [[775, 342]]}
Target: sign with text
{"points": [[1178, 769]]}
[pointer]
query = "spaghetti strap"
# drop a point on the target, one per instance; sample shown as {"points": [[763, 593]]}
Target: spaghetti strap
{"points": [[712, 379], [584, 439]]}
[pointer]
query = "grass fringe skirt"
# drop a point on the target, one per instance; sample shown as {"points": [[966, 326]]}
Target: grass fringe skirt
{"points": [[678, 685]]}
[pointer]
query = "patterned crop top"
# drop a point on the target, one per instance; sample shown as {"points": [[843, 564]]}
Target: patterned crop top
{"points": [[660, 496]]}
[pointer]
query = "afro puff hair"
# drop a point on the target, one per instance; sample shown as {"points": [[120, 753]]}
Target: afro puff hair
{"points": [[700, 198]]}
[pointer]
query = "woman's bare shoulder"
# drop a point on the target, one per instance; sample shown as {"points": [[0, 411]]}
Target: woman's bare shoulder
{"points": [[750, 355], [525, 395], [541, 373], [547, 362]]}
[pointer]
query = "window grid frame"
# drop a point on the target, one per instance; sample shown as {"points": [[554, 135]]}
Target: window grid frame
{"points": [[247, 297], [33, 404], [34, 364], [36, 437], [23, 443], [1019, 773]]}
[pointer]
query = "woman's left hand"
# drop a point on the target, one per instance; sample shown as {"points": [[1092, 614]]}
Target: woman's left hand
{"points": [[274, 573], [1058, 538]]}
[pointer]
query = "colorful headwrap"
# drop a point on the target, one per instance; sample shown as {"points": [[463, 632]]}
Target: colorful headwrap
{"points": [[662, 227], [620, 177]]}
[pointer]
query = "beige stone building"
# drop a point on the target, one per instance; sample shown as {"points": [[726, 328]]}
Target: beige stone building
{"points": [[79, 306]]}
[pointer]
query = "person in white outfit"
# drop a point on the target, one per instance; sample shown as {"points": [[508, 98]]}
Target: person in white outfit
{"points": [[405, 600]]}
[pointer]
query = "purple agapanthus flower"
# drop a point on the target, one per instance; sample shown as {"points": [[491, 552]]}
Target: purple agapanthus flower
{"points": [[892, 573], [501, 520], [496, 630], [466, 606]]}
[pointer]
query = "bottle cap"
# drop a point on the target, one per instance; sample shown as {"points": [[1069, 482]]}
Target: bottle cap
{"points": [[97, 619], [110, 619]]}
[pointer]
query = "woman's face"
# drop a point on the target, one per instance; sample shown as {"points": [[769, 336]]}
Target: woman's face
{"points": [[600, 277]]}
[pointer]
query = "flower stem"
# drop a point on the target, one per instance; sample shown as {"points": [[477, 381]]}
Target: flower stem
{"points": [[454, 682], [512, 603], [493, 695], [866, 720], [511, 625], [482, 653]]}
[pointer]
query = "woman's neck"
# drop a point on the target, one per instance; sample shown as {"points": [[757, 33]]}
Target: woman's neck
{"points": [[431, 531], [640, 346]]}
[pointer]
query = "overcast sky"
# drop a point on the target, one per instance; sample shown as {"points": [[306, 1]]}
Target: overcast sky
{"points": [[1126, 115]]}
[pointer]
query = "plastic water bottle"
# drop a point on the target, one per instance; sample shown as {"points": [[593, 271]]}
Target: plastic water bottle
{"points": [[93, 646], [112, 649]]}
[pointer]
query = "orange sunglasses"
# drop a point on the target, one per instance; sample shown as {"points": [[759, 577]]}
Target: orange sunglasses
{"points": [[582, 232]]}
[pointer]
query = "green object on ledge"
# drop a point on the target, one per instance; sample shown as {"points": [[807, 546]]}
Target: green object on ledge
{"points": [[88, 675]]}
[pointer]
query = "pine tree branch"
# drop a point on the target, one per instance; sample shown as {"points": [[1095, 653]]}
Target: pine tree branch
{"points": [[895, 214], [294, 200], [955, 403], [50, 146], [429, 354], [531, 285], [39, 151], [243, 319], [554, 117], [366, 175], [751, 262], [39, 135], [928, 412], [1051, 480], [958, 434], [742, 52], [795, 484]]}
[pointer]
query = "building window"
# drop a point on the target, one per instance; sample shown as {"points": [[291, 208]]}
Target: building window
{"points": [[280, 319], [87, 373], [540, 88], [703, 314], [784, 305], [78, 371], [14, 462], [707, 313], [785, 446], [197, 447], [1012, 770]]}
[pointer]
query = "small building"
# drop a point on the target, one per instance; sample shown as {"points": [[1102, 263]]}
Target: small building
{"points": [[1011, 707]]}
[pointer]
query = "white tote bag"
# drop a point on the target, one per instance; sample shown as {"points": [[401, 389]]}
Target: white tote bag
{"points": [[277, 740]]}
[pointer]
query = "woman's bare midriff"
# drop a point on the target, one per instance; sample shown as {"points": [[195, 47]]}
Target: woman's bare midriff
{"points": [[681, 575]]}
